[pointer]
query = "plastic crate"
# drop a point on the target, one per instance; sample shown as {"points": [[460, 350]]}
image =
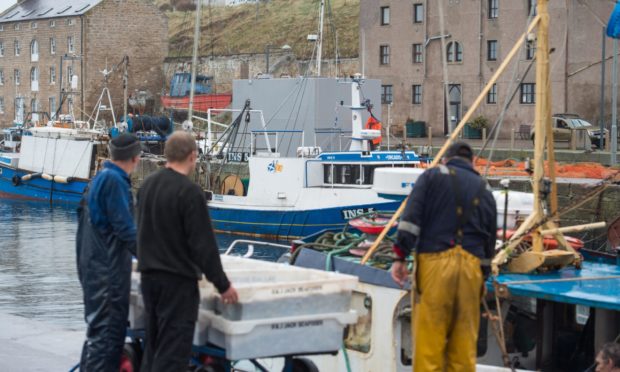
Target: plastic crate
{"points": [[283, 292], [261, 338]]}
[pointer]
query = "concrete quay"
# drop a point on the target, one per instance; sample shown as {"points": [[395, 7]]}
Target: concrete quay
{"points": [[31, 345]]}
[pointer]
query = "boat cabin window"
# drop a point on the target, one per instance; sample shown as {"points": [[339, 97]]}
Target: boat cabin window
{"points": [[342, 174]]}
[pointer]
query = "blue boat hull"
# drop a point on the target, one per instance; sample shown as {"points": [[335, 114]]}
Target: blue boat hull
{"points": [[39, 189], [288, 224]]}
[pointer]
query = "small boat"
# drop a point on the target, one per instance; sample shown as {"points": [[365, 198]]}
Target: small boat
{"points": [[204, 99]]}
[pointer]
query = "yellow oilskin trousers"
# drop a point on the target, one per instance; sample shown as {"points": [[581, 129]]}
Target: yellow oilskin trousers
{"points": [[447, 316]]}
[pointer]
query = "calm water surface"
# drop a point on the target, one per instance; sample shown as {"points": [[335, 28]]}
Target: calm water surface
{"points": [[38, 276]]}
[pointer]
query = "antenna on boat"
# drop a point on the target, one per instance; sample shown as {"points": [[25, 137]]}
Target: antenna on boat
{"points": [[187, 124], [319, 47]]}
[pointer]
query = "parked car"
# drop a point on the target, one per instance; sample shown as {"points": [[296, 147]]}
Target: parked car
{"points": [[565, 124]]}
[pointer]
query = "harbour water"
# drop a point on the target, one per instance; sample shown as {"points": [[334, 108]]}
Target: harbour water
{"points": [[38, 276]]}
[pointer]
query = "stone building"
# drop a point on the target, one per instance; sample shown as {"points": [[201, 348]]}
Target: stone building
{"points": [[401, 44], [45, 44]]}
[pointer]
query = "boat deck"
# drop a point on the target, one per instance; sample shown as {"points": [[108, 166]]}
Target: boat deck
{"points": [[595, 285]]}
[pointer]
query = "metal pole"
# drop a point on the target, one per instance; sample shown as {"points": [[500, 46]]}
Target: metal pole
{"points": [[320, 46], [614, 106], [267, 59], [190, 111], [602, 115], [388, 124]]}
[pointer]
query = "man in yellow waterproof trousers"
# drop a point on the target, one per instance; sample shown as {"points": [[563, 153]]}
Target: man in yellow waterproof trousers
{"points": [[450, 222]]}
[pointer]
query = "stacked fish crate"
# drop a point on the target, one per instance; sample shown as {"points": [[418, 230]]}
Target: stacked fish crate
{"points": [[282, 310]]}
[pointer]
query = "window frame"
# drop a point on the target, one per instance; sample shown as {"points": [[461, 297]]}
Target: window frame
{"points": [[1, 48], [17, 49], [493, 9], [416, 94], [52, 78], [417, 56], [527, 97], [384, 55], [52, 23], [418, 13], [387, 90], [17, 78], [1, 105], [530, 49], [52, 45], [384, 14], [454, 52], [1, 76], [492, 50], [532, 8], [70, 44], [492, 95]]}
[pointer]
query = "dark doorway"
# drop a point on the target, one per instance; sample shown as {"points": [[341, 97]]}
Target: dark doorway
{"points": [[453, 115]]}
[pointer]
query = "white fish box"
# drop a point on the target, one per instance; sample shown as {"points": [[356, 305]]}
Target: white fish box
{"points": [[520, 205], [395, 181], [263, 338]]}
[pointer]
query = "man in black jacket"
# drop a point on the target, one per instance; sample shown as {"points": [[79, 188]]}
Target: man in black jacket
{"points": [[176, 245], [450, 220]]}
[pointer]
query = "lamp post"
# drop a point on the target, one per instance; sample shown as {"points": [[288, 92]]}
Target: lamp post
{"points": [[268, 48]]}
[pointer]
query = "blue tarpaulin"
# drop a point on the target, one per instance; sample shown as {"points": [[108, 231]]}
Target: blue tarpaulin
{"points": [[613, 26]]}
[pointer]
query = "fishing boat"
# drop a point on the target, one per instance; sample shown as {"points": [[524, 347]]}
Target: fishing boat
{"points": [[204, 99], [290, 197]]}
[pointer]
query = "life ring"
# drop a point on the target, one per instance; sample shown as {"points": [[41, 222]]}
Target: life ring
{"points": [[16, 180]]}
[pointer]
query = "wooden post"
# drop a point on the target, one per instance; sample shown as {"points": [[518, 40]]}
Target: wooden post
{"points": [[607, 143]]}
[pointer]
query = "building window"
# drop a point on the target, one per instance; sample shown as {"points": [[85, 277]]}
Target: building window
{"points": [[52, 23], [384, 55], [418, 13], [492, 95], [34, 79], [52, 103], [34, 105], [531, 7], [17, 48], [1, 76], [34, 51], [17, 77], [1, 105], [454, 52], [70, 22], [386, 94], [52, 45], [416, 94], [385, 15], [530, 49], [493, 9], [70, 45], [417, 56], [491, 50], [52, 75], [1, 28], [34, 25], [528, 93], [1, 48], [16, 27]]}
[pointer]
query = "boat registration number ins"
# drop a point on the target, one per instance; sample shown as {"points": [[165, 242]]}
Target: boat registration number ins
{"points": [[348, 214]]}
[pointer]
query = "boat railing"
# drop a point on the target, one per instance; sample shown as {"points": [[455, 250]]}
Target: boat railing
{"points": [[277, 133], [250, 244]]}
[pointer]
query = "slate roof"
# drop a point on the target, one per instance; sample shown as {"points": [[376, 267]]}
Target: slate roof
{"points": [[29, 10]]}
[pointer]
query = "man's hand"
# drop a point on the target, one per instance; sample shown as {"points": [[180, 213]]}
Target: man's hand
{"points": [[400, 273], [230, 296]]}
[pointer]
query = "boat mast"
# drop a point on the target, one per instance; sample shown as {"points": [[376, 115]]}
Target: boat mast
{"points": [[190, 111], [320, 41]]}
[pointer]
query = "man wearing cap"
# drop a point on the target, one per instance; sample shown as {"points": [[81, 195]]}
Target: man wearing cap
{"points": [[105, 242], [450, 223]]}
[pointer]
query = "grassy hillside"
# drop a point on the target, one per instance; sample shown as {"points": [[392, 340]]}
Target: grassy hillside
{"points": [[249, 28]]}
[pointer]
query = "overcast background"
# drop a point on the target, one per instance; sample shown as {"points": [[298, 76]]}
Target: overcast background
{"points": [[4, 4]]}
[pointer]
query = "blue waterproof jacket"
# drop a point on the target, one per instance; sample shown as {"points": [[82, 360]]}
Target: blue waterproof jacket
{"points": [[429, 222], [105, 242]]}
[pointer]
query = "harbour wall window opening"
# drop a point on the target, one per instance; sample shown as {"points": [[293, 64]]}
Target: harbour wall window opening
{"points": [[418, 13], [528, 95], [416, 94], [1, 48], [493, 9], [52, 45], [385, 15], [491, 50], [386, 94], [384, 55], [492, 95], [17, 48], [417, 53]]}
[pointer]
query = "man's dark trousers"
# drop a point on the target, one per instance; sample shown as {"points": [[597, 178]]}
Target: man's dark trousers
{"points": [[171, 304]]}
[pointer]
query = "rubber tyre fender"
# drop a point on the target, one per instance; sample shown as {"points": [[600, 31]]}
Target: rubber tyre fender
{"points": [[16, 180], [304, 365]]}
